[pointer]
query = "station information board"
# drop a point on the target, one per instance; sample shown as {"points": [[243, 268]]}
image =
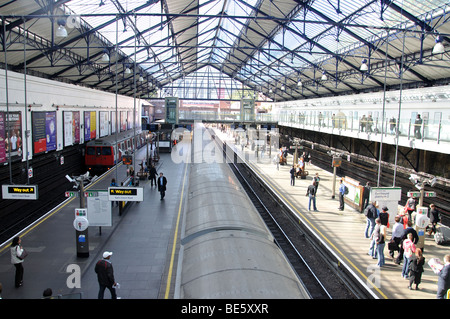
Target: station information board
{"points": [[127, 194], [20, 192]]}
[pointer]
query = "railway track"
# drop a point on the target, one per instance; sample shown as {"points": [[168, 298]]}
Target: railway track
{"points": [[312, 263]]}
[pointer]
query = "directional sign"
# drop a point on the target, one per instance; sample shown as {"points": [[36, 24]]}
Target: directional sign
{"points": [[20, 192], [71, 194], [132, 194], [417, 194]]}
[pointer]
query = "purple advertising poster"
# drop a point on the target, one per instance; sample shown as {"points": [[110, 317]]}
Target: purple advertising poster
{"points": [[87, 126], [50, 130], [2, 138]]}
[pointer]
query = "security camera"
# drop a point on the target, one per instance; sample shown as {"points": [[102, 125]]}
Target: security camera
{"points": [[70, 179], [414, 178], [433, 182], [418, 186]]}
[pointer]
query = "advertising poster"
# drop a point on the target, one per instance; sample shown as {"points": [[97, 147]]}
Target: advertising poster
{"points": [[12, 135], [93, 126], [71, 127], [2, 138], [123, 121], [103, 125], [44, 131], [87, 126], [113, 122]]}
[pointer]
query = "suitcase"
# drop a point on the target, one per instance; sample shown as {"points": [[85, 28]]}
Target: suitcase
{"points": [[442, 236]]}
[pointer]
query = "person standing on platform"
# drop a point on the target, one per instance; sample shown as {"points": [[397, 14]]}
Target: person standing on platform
{"points": [[105, 276], [342, 188], [365, 196], [410, 207], [316, 181], [408, 250], [444, 279], [374, 239], [162, 182], [381, 242], [371, 213], [17, 256], [397, 233], [418, 127], [416, 269], [292, 172], [311, 192], [152, 175], [384, 216], [434, 219]]}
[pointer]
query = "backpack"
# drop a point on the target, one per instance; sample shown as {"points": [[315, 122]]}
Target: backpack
{"points": [[345, 190]]}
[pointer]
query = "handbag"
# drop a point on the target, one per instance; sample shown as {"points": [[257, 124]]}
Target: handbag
{"points": [[23, 255]]}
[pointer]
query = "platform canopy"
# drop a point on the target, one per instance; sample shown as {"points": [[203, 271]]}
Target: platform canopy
{"points": [[276, 50]]}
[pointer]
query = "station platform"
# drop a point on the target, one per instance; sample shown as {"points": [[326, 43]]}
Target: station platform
{"points": [[342, 231], [141, 239]]}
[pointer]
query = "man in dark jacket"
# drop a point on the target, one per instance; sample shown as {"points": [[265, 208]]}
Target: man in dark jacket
{"points": [[105, 275], [444, 279], [162, 182]]}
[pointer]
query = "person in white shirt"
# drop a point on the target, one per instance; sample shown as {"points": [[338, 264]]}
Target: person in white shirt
{"points": [[397, 233], [17, 255]]}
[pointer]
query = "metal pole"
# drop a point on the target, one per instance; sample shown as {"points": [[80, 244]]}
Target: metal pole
{"points": [[116, 102], [25, 98], [7, 102]]}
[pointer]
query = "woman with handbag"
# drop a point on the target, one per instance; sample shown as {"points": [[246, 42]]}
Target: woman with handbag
{"points": [[18, 254], [416, 269]]}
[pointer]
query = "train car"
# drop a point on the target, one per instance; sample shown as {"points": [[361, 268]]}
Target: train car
{"points": [[103, 153], [226, 249]]}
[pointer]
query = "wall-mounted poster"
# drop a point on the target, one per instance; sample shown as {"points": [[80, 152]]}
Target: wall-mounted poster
{"points": [[87, 126], [71, 127], [90, 126], [103, 124], [2, 137], [93, 126], [113, 122], [44, 131], [123, 121]]}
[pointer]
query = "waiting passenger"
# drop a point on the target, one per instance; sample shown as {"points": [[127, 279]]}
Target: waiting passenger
{"points": [[416, 269]]}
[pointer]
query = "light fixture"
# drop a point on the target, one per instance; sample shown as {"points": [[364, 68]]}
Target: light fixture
{"points": [[364, 67], [105, 57], [282, 88], [299, 84], [324, 76], [141, 78], [438, 47], [61, 32], [127, 70]]}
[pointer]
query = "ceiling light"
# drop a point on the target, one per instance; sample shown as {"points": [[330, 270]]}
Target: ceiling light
{"points": [[141, 79], [324, 76], [61, 32], [364, 67], [105, 57], [438, 47], [299, 84], [283, 88], [127, 70]]}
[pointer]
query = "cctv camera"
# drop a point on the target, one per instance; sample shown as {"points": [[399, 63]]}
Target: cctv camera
{"points": [[433, 182], [414, 178], [70, 179]]}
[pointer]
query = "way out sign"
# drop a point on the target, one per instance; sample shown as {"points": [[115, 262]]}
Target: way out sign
{"points": [[126, 194]]}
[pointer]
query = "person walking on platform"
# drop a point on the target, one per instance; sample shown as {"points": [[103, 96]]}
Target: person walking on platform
{"points": [[371, 213], [384, 216], [17, 256], [152, 175], [311, 192], [418, 127], [444, 279], [342, 188], [162, 182], [416, 269], [434, 219], [292, 172], [105, 276]]}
